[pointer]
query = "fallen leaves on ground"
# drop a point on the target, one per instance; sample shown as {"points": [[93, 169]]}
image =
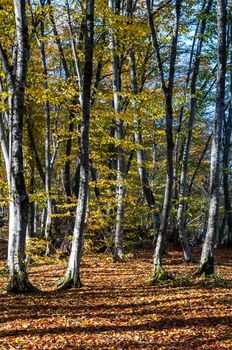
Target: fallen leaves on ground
{"points": [[116, 309]]}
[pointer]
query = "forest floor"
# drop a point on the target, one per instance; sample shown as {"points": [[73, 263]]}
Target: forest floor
{"points": [[116, 309]]}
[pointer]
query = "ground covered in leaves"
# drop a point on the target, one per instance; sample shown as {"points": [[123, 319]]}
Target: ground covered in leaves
{"points": [[116, 309]]}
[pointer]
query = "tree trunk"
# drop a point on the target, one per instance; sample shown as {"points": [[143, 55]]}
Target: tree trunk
{"points": [[66, 173], [120, 188], [34, 151], [48, 233], [48, 223], [143, 173], [31, 208], [226, 153], [72, 275], [158, 273], [179, 128], [161, 240], [207, 259], [18, 206], [185, 158], [46, 226]]}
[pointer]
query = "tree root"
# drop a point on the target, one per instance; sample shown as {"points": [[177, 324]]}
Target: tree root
{"points": [[206, 269], [160, 276], [118, 258], [68, 282], [19, 284]]}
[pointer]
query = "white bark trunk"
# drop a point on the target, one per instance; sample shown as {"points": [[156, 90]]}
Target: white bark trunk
{"points": [[185, 158], [168, 92], [18, 205], [72, 275], [207, 259], [142, 170], [120, 188]]}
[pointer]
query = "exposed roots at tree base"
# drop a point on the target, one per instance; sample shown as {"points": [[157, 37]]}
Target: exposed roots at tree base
{"points": [[19, 284], [160, 276], [118, 258], [118, 254], [206, 269], [68, 282]]}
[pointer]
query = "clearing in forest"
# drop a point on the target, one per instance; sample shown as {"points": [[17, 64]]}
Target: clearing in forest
{"points": [[116, 309]]}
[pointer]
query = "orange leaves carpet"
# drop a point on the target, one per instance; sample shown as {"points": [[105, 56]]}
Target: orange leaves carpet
{"points": [[116, 309]]}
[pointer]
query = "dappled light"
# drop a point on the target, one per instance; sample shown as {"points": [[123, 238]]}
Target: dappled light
{"points": [[117, 309], [115, 174]]}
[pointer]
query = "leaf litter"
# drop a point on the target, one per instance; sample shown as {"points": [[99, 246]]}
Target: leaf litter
{"points": [[117, 309]]}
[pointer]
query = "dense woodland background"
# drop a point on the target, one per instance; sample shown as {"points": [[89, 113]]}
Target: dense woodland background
{"points": [[115, 129]]}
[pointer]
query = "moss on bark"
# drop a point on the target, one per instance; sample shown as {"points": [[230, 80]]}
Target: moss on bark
{"points": [[19, 283], [206, 269], [68, 282], [160, 275], [118, 258]]}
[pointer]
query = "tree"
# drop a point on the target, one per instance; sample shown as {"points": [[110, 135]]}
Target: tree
{"points": [[16, 75], [119, 134], [142, 170], [168, 95], [186, 148], [145, 157], [72, 275], [227, 130], [207, 259]]}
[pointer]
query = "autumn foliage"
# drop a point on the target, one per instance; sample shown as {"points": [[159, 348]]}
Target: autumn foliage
{"points": [[115, 174], [117, 309]]}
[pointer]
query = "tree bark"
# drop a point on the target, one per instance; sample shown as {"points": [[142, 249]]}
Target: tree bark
{"points": [[67, 166], [168, 92], [34, 151], [18, 205], [185, 157], [120, 188], [48, 166], [207, 258], [31, 209], [142, 170], [72, 275], [48, 223], [226, 154]]}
